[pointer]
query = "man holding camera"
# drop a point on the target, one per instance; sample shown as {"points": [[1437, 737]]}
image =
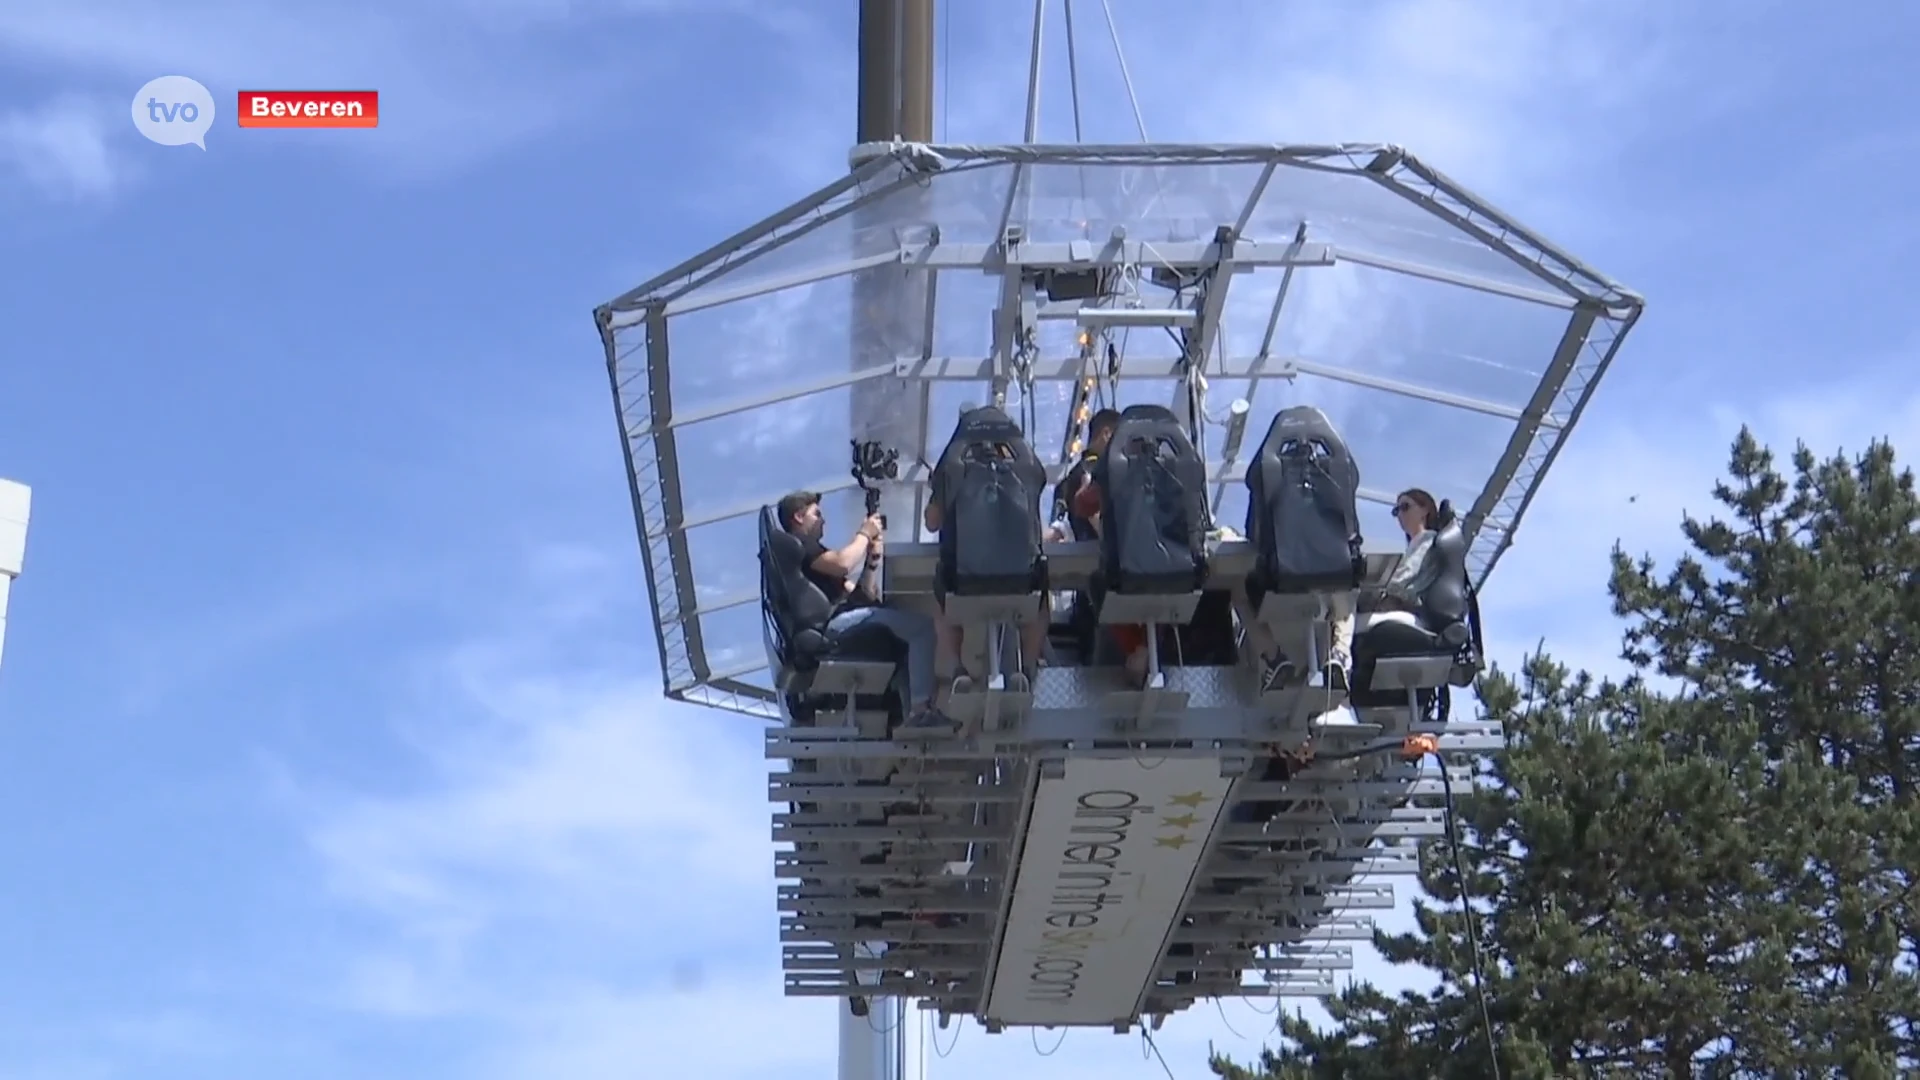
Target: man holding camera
{"points": [[847, 576]]}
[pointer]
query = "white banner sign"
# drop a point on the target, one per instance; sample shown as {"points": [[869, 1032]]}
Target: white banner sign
{"points": [[1110, 851]]}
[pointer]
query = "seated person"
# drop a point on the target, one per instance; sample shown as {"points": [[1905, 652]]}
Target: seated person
{"points": [[845, 575], [1131, 639], [1276, 670], [1414, 510], [1070, 524], [1304, 479], [1033, 637], [1279, 669]]}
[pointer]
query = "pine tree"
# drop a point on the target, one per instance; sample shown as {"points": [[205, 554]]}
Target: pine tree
{"points": [[1803, 607], [1708, 870], [1620, 855]]}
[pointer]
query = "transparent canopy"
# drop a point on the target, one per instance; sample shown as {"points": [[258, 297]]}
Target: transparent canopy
{"points": [[1452, 348]]}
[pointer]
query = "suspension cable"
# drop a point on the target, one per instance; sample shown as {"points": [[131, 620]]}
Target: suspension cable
{"points": [[1118, 54], [1073, 74], [1033, 72], [946, 70]]}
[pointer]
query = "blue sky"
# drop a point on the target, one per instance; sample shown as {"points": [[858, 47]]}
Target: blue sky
{"points": [[331, 740]]}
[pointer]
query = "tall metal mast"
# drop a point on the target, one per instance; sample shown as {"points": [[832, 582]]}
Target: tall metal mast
{"points": [[896, 71], [895, 105], [889, 304]]}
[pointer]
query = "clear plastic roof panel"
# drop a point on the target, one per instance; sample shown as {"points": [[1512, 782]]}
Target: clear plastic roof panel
{"points": [[1451, 346]]}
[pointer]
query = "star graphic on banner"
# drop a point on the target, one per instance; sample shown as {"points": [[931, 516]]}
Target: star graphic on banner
{"points": [[1184, 821], [1191, 801], [1176, 841]]}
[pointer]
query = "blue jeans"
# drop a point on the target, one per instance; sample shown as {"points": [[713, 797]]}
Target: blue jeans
{"points": [[909, 626]]}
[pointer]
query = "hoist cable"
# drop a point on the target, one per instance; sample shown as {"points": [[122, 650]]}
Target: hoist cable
{"points": [[1125, 76], [1073, 74], [1033, 72]]}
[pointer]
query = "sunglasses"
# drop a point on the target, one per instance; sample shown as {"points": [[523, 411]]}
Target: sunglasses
{"points": [[1402, 507]]}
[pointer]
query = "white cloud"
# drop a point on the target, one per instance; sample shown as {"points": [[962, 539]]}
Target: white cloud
{"points": [[61, 148], [231, 631], [581, 867], [549, 795]]}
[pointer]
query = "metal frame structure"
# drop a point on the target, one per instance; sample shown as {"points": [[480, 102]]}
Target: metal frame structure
{"points": [[1159, 231], [1307, 877], [1055, 256]]}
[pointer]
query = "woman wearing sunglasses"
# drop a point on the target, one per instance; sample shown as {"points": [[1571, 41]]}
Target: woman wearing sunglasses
{"points": [[1414, 510]]}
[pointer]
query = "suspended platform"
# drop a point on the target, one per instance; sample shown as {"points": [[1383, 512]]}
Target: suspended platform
{"points": [[1084, 851]]}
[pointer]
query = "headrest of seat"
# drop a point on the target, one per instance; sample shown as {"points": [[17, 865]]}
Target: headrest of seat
{"points": [[1154, 425], [783, 546], [1151, 414], [1303, 426], [985, 416], [1446, 599], [784, 587], [989, 425]]}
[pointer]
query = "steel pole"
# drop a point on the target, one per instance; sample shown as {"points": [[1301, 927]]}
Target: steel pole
{"points": [[889, 304]]}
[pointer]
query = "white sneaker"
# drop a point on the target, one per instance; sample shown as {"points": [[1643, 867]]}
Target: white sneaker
{"points": [[1340, 717]]}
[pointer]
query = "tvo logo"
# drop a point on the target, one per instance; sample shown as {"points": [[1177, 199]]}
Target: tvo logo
{"points": [[174, 110]]}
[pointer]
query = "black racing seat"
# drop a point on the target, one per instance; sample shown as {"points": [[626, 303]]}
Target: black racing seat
{"points": [[1440, 645], [1153, 510], [989, 482], [816, 668], [1303, 518]]}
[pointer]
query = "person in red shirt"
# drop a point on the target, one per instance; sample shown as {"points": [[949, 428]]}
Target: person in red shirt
{"points": [[1069, 522]]}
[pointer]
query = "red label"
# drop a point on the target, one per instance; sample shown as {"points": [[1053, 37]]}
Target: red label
{"points": [[309, 108]]}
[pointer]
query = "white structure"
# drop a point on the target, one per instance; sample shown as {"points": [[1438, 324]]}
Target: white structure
{"points": [[15, 504]]}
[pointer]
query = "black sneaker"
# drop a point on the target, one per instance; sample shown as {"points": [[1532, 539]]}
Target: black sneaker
{"points": [[1277, 675], [927, 719], [1337, 676]]}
